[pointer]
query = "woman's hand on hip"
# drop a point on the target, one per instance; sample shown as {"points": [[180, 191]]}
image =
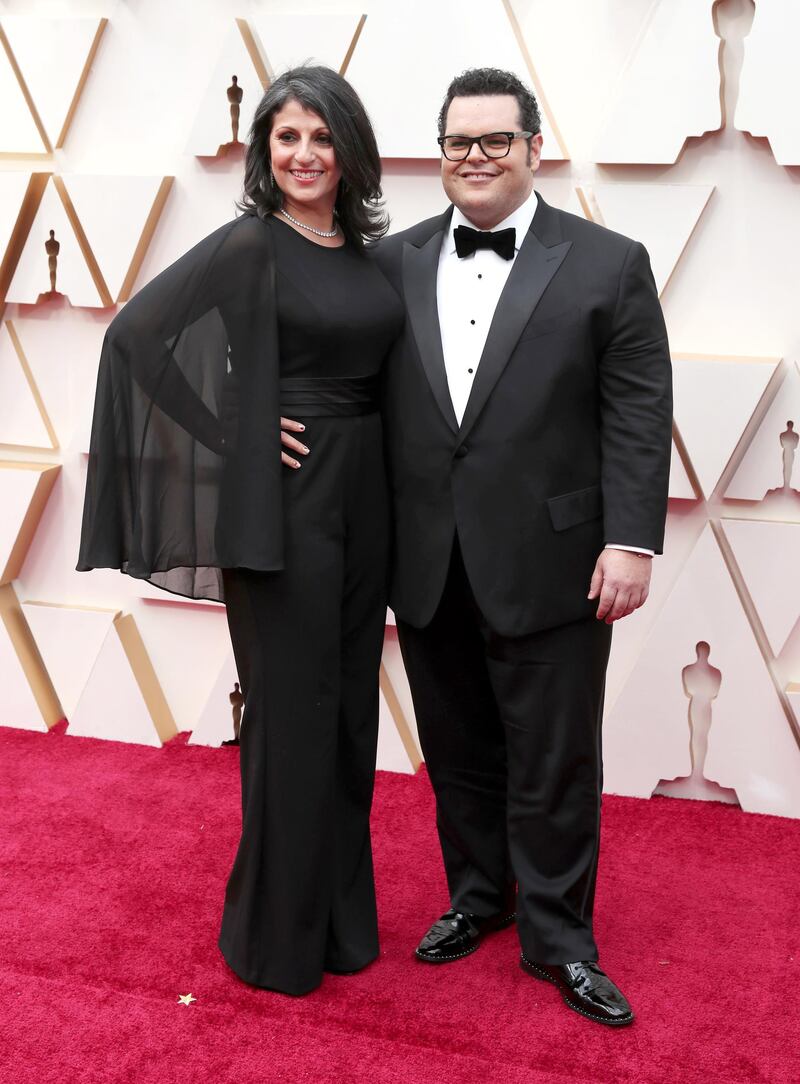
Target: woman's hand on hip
{"points": [[288, 441]]}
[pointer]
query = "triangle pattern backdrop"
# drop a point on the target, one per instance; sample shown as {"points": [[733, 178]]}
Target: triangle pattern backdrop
{"points": [[676, 36], [769, 87], [18, 131], [69, 639], [773, 583], [122, 698], [793, 695], [680, 486], [29, 699], [24, 492], [327, 37], [714, 400], [240, 56], [751, 746], [14, 190], [62, 350], [661, 216], [419, 35], [54, 58], [215, 722], [761, 468], [118, 242], [74, 278], [22, 421]]}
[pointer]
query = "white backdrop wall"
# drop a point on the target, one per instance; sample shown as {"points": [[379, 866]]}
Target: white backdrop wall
{"points": [[644, 100]]}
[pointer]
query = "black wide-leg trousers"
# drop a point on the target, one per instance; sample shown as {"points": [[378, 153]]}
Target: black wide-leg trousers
{"points": [[511, 733], [307, 643]]}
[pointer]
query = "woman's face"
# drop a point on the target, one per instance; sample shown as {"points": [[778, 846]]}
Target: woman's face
{"points": [[303, 160]]}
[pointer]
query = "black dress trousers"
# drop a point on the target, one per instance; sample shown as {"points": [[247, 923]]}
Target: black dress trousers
{"points": [[308, 640], [511, 733]]}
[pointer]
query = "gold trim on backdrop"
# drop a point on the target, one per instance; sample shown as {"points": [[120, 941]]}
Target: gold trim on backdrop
{"points": [[30, 660], [592, 210], [145, 239], [744, 358], [146, 678], [252, 47], [537, 86], [751, 613], [71, 606], [22, 227], [23, 86], [400, 721], [668, 279], [48, 472], [688, 466], [592, 215], [749, 431], [12, 331], [348, 56], [83, 242], [87, 66]]}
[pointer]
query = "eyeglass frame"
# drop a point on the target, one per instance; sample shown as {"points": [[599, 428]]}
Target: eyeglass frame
{"points": [[511, 136]]}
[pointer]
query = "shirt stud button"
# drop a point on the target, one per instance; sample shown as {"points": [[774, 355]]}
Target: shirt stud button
{"points": [[472, 321], [470, 370]]}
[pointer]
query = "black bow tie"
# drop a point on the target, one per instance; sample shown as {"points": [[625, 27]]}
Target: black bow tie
{"points": [[468, 241]]}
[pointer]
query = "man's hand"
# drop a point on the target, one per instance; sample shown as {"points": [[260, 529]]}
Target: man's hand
{"points": [[289, 441], [621, 580]]}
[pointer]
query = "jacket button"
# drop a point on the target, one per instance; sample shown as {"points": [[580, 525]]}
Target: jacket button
{"points": [[461, 451]]}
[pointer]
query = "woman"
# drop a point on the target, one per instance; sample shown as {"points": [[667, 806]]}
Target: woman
{"points": [[278, 312]]}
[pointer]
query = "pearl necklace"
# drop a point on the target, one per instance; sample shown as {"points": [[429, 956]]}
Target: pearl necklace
{"points": [[311, 229]]}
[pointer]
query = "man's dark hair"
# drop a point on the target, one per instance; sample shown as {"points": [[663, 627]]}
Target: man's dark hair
{"points": [[325, 92], [478, 82]]}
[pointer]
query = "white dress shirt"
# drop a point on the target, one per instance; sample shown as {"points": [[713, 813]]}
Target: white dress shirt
{"points": [[467, 293]]}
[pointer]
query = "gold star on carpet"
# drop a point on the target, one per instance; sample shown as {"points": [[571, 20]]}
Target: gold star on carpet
{"points": [[186, 999]]}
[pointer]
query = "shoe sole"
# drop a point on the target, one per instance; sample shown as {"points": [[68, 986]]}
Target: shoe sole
{"points": [[500, 925], [531, 969]]}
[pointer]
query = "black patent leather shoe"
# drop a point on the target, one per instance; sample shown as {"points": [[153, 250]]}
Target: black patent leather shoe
{"points": [[457, 934], [586, 989]]}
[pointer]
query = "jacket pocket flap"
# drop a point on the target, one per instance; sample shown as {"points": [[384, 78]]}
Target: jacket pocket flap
{"points": [[571, 508]]}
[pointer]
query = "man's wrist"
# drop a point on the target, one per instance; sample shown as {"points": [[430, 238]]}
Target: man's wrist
{"points": [[630, 549]]}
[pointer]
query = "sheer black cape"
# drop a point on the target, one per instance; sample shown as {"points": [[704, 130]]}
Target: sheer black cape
{"points": [[184, 471]]}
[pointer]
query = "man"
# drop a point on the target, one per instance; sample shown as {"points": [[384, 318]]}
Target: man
{"points": [[529, 424]]}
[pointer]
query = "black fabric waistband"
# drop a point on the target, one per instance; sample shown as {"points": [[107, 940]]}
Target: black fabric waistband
{"points": [[321, 396]]}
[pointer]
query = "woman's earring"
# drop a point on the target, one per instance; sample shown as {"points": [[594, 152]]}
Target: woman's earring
{"points": [[271, 177]]}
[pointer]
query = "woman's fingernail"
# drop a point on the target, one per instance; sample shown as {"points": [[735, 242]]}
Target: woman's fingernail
{"points": [[305, 450], [302, 429]]}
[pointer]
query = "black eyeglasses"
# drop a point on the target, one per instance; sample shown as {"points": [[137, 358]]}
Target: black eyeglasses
{"points": [[494, 145]]}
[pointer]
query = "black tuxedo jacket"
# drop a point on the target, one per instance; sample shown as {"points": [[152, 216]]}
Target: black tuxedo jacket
{"points": [[565, 442]]}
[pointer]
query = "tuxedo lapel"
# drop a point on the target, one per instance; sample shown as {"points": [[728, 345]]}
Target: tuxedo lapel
{"points": [[420, 269], [538, 259]]}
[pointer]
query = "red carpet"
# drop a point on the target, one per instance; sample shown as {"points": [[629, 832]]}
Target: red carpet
{"points": [[114, 859]]}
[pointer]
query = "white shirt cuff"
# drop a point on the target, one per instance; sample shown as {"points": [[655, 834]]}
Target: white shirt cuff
{"points": [[630, 549]]}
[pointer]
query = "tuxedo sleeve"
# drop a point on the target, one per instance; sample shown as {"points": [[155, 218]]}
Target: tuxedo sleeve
{"points": [[635, 392]]}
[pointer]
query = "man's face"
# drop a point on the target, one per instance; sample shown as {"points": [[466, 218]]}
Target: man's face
{"points": [[487, 190]]}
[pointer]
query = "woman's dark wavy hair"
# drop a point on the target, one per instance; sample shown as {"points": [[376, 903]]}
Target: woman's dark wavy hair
{"points": [[325, 92]]}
